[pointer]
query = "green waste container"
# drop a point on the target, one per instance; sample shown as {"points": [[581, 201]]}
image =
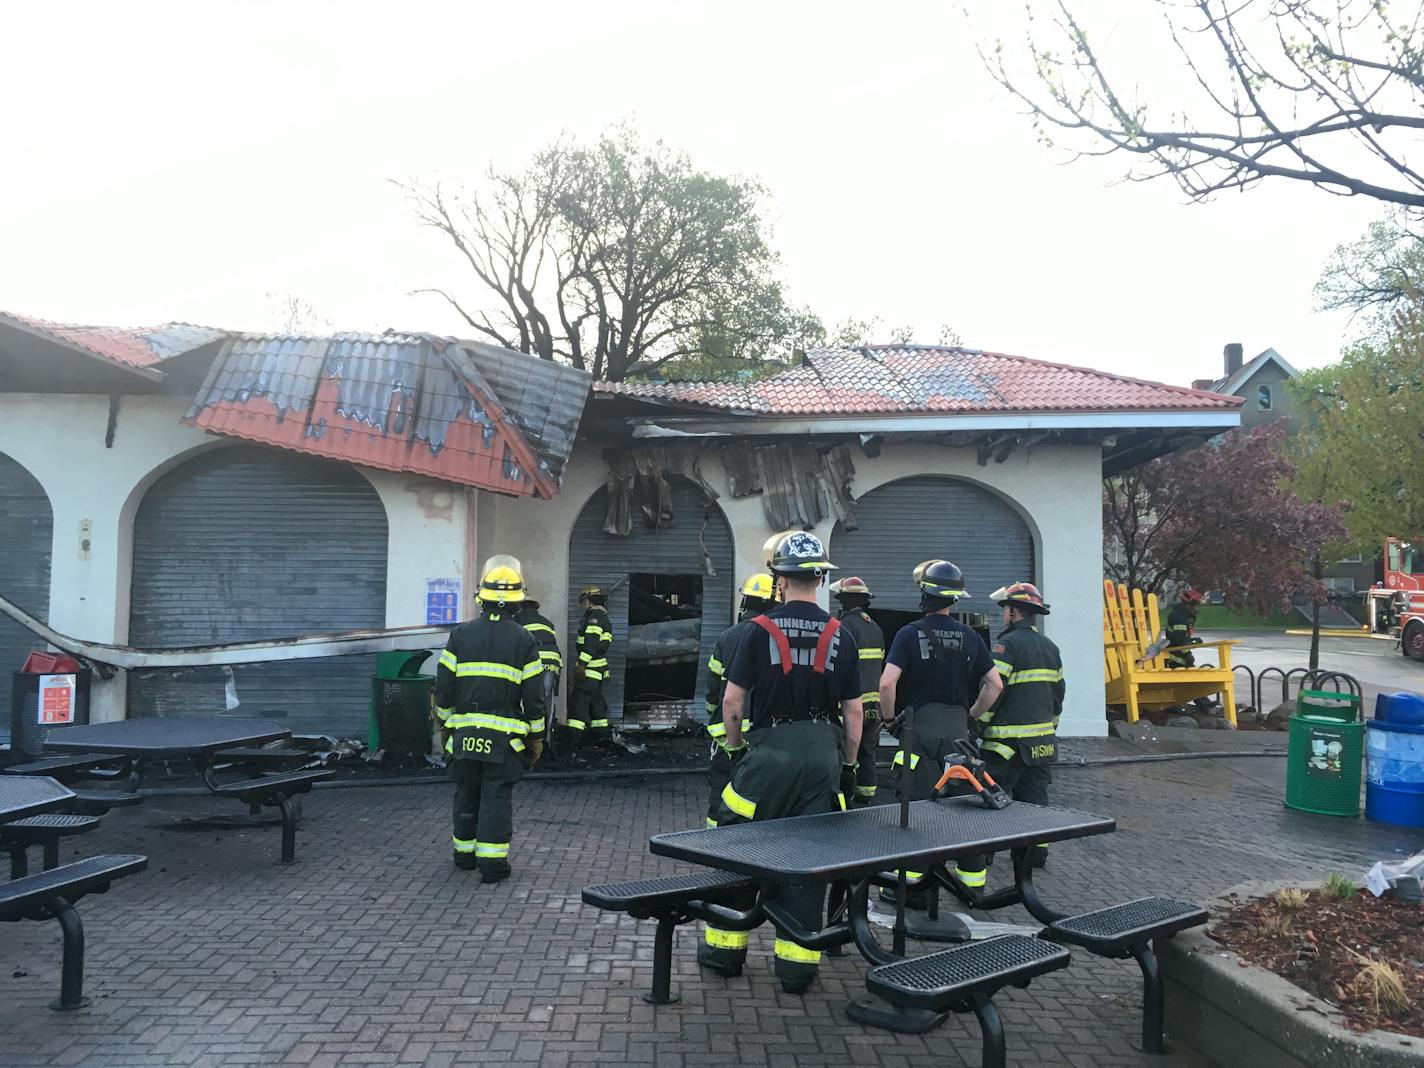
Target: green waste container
{"points": [[400, 705], [1325, 754]]}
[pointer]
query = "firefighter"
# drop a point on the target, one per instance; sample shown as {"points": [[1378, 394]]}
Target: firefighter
{"points": [[726, 951], [543, 630], [854, 597], [1019, 736], [489, 698], [1181, 629], [758, 594], [937, 666], [802, 670], [588, 711]]}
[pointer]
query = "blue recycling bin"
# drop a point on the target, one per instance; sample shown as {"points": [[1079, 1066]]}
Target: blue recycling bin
{"points": [[1394, 759]]}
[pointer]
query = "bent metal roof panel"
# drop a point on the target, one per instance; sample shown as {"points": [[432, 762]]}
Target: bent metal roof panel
{"points": [[141, 347], [922, 379], [401, 402]]}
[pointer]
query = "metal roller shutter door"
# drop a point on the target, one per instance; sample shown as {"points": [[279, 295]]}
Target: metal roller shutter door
{"points": [[26, 538], [927, 517], [599, 559], [247, 544]]}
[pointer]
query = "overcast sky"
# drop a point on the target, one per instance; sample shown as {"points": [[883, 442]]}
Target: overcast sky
{"points": [[182, 162]]}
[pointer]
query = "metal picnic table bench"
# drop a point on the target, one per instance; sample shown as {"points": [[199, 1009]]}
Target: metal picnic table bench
{"points": [[51, 894], [852, 851], [203, 740]]}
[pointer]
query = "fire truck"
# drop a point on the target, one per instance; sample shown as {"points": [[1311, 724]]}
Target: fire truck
{"points": [[1396, 605]]}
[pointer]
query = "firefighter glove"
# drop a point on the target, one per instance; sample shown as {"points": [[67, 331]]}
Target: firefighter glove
{"points": [[536, 750], [736, 752], [848, 779]]}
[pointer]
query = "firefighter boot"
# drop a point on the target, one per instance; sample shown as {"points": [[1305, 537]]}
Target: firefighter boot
{"points": [[495, 871], [724, 952]]}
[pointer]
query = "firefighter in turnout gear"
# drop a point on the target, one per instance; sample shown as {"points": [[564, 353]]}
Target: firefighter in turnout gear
{"points": [[758, 594], [854, 597], [588, 711], [489, 698], [942, 670], [1181, 629], [726, 951], [1019, 736], [543, 630], [801, 669]]}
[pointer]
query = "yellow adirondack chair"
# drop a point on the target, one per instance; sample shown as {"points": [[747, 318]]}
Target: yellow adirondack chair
{"points": [[1136, 681]]}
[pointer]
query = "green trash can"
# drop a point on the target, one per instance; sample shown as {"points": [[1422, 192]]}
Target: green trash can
{"points": [[400, 705], [1325, 754]]}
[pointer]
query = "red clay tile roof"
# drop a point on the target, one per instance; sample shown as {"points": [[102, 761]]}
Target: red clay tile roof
{"points": [[142, 346], [923, 379]]}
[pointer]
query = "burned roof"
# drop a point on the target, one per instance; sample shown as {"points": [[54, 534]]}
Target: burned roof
{"points": [[140, 348], [545, 399], [400, 402], [918, 379]]}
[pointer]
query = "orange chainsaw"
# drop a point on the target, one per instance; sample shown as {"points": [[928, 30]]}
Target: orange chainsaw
{"points": [[967, 766]]}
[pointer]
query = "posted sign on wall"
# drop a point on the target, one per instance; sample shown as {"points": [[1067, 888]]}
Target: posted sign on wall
{"points": [[56, 699], [442, 601]]}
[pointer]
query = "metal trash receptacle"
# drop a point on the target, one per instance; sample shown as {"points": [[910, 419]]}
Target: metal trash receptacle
{"points": [[400, 705], [50, 690], [1325, 754]]}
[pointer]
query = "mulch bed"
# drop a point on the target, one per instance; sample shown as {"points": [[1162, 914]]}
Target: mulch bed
{"points": [[1319, 947]]}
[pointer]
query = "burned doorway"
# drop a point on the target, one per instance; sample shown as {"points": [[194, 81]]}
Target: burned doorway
{"points": [[664, 647], [671, 570]]}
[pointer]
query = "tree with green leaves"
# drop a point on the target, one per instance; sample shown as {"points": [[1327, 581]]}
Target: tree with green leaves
{"points": [[1328, 92], [1363, 432], [620, 258]]}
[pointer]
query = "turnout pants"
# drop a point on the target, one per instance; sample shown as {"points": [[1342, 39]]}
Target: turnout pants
{"points": [[719, 774], [1025, 782], [588, 711], [937, 731], [484, 811], [865, 774], [791, 769]]}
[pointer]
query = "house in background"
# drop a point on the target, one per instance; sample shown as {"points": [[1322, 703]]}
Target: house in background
{"points": [[1261, 385]]}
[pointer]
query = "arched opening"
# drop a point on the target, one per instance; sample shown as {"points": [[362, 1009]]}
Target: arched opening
{"points": [[924, 517], [659, 579], [245, 544], [26, 541]]}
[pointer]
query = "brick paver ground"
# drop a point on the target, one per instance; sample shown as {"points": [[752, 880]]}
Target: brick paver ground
{"points": [[373, 950]]}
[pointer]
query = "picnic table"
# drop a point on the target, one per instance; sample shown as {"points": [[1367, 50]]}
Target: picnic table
{"points": [[199, 738], [21, 797], [850, 852], [203, 740], [853, 848]]}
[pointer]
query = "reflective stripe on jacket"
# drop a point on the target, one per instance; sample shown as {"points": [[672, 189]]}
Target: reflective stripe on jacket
{"points": [[546, 636], [594, 637], [717, 664], [1032, 672], [870, 640], [489, 677]]}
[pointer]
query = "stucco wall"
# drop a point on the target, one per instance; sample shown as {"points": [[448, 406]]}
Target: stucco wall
{"points": [[1056, 488], [60, 440]]}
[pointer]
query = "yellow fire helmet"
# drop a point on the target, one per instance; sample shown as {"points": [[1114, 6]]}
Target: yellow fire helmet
{"points": [[502, 581], [760, 586]]}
